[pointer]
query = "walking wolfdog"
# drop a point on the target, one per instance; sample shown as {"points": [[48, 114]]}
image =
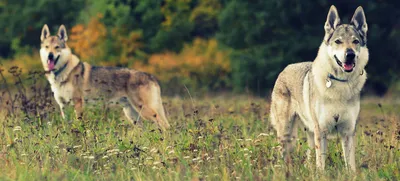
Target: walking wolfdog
{"points": [[324, 95], [76, 82]]}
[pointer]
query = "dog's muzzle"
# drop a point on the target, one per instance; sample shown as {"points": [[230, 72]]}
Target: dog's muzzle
{"points": [[350, 55], [349, 63], [51, 62]]}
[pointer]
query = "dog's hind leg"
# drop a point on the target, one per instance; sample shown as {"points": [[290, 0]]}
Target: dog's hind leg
{"points": [[78, 105], [283, 118], [157, 102], [130, 112], [147, 99]]}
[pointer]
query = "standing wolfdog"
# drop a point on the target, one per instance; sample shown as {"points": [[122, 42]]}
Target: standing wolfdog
{"points": [[324, 95], [73, 81]]}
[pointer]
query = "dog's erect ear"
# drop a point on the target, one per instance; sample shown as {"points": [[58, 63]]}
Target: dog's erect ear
{"points": [[45, 32], [332, 21], [359, 21], [62, 33]]}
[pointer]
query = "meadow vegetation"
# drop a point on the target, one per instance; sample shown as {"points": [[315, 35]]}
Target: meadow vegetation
{"points": [[218, 137]]}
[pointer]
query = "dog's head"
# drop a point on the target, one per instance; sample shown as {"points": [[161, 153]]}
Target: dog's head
{"points": [[346, 43], [54, 51]]}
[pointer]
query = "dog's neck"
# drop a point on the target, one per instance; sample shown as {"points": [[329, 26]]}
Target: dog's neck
{"points": [[56, 72], [63, 72], [331, 76]]}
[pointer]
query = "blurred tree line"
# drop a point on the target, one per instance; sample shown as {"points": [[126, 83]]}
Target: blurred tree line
{"points": [[202, 44]]}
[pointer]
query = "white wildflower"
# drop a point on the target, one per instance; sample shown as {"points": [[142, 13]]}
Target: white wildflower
{"points": [[263, 134], [17, 128], [154, 150]]}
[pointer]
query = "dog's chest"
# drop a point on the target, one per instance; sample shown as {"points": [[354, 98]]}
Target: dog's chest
{"points": [[62, 91], [336, 114], [333, 116]]}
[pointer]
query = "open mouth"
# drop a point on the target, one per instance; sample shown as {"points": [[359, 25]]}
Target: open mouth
{"points": [[347, 66], [52, 62]]}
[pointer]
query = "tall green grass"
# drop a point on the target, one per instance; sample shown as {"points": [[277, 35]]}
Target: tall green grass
{"points": [[214, 138]]}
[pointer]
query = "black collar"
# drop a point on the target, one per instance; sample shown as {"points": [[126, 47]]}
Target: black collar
{"points": [[57, 72], [330, 76], [335, 78]]}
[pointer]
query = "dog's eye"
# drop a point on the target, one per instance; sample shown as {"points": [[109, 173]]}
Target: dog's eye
{"points": [[57, 47], [356, 42], [47, 46], [338, 42]]}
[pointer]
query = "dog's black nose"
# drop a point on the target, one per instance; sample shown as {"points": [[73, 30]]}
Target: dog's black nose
{"points": [[350, 55], [51, 56]]}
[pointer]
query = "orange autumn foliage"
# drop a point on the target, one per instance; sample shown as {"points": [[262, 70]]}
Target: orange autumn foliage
{"points": [[165, 66], [201, 62], [87, 41]]}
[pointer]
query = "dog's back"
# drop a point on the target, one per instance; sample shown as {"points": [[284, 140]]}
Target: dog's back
{"points": [[114, 81]]}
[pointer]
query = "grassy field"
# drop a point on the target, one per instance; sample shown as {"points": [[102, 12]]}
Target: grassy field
{"points": [[223, 137]]}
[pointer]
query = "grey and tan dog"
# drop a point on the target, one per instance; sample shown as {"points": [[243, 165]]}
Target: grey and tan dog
{"points": [[76, 82], [324, 95]]}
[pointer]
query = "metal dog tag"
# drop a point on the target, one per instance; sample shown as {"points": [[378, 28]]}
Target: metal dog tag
{"points": [[328, 83]]}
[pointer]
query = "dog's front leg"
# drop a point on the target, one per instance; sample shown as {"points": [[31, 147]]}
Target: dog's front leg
{"points": [[61, 104], [78, 105], [320, 139], [348, 145], [62, 112], [324, 147], [311, 145]]}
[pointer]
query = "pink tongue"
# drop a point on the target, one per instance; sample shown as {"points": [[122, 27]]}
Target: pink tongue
{"points": [[50, 64], [348, 66]]}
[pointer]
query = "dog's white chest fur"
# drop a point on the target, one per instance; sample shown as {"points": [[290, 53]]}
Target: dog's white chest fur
{"points": [[332, 115], [60, 91]]}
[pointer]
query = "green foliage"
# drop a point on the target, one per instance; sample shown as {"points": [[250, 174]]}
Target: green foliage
{"points": [[205, 18], [265, 35], [21, 21], [263, 38]]}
